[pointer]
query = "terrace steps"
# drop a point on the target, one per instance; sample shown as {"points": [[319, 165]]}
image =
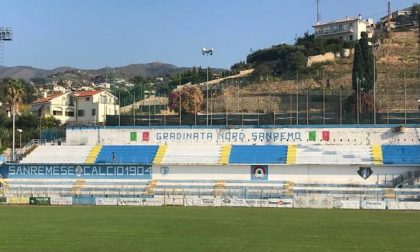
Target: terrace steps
{"points": [[225, 154], [160, 154], [93, 154]]}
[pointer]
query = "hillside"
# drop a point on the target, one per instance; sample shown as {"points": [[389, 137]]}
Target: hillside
{"points": [[397, 65], [148, 70]]}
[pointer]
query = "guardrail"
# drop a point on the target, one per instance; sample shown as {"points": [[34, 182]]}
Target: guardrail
{"points": [[28, 147], [406, 177]]}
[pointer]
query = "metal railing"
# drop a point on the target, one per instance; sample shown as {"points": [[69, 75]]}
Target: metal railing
{"points": [[20, 153]]}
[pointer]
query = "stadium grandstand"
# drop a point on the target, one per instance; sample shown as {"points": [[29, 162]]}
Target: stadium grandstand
{"points": [[316, 166]]}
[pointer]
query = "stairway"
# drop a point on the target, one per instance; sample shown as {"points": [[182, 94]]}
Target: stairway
{"points": [[93, 154], [291, 154], [225, 154], [377, 156], [160, 154], [77, 187], [390, 194], [4, 186], [151, 186], [219, 188], [289, 188]]}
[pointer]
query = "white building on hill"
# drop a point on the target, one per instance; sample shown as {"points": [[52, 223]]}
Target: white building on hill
{"points": [[85, 107], [349, 29]]}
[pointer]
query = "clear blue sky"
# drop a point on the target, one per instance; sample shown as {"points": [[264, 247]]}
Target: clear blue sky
{"points": [[97, 33]]}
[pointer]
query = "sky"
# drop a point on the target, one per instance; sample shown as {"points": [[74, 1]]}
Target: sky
{"points": [[91, 34]]}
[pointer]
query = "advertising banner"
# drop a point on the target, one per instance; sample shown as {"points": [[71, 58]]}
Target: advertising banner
{"points": [[18, 200], [373, 204], [346, 204], [153, 202], [285, 203], [318, 201], [394, 205], [203, 202], [84, 200], [130, 201], [82, 171], [39, 201], [106, 201], [61, 201]]}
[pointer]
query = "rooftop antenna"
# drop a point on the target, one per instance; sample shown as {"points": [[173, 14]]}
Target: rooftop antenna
{"points": [[318, 14]]}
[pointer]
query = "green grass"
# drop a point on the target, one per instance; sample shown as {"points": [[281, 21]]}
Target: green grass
{"points": [[205, 229]]}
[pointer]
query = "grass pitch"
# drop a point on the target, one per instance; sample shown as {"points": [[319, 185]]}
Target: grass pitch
{"points": [[205, 229]]}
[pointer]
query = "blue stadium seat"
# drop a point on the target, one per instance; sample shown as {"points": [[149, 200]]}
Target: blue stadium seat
{"points": [[124, 154], [401, 154], [258, 154]]}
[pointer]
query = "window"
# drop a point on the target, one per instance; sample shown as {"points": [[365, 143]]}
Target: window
{"points": [[93, 112], [57, 113], [80, 113], [87, 98], [351, 37], [70, 113]]}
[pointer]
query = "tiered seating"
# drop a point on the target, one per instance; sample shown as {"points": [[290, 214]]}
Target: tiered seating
{"points": [[39, 187], [71, 187], [113, 187], [258, 154], [339, 190], [401, 154], [53, 154], [125, 154], [231, 188], [333, 154], [192, 154]]}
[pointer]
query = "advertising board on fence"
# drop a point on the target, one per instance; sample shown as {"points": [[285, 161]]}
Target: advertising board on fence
{"points": [[130, 201], [153, 202], [61, 201], [39, 201], [346, 204], [313, 201], [280, 203], [202, 201], [106, 201], [394, 205], [372, 204], [17, 200]]}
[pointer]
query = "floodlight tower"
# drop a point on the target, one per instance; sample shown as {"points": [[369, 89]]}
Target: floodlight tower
{"points": [[208, 52], [6, 34]]}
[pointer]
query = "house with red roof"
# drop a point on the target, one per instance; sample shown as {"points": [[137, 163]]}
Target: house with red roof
{"points": [[82, 107]]}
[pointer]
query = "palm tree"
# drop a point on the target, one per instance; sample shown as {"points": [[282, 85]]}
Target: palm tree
{"points": [[14, 94]]}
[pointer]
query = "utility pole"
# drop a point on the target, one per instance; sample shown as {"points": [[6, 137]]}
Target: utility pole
{"points": [[318, 14], [374, 86], [297, 98], [208, 52], [389, 20]]}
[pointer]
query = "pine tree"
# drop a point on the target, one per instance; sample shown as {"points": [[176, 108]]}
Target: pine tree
{"points": [[363, 69]]}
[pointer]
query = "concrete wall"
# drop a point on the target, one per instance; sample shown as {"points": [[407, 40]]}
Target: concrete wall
{"points": [[258, 136]]}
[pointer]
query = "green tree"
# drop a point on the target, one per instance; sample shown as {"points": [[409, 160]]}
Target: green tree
{"points": [[14, 93], [363, 65]]}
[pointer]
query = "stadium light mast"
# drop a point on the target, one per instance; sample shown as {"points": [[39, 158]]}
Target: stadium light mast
{"points": [[6, 34], [207, 52]]}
